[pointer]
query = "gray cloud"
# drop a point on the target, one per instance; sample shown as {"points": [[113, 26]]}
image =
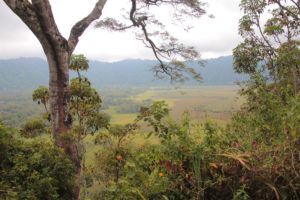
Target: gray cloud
{"points": [[212, 37], [15, 38]]}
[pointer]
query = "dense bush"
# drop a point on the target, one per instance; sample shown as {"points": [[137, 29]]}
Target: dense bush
{"points": [[255, 157], [33, 128], [33, 169]]}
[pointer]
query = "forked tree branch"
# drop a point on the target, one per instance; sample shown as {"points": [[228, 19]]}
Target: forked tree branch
{"points": [[79, 28], [46, 20]]}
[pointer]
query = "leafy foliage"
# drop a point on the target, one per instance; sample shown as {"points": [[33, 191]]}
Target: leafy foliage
{"points": [[85, 106], [41, 96], [267, 126], [272, 47], [79, 63], [85, 102], [34, 127], [33, 169]]}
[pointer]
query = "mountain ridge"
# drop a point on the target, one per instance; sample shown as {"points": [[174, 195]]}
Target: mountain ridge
{"points": [[28, 73]]}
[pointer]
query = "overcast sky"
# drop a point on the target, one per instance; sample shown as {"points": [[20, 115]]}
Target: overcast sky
{"points": [[212, 37]]}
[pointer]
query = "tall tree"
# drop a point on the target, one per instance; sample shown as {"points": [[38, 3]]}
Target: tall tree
{"points": [[271, 45], [38, 16]]}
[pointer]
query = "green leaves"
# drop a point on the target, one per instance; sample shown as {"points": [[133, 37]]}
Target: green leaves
{"points": [[154, 116], [274, 26], [79, 63], [83, 94], [41, 95], [253, 7], [247, 56], [84, 105], [245, 25], [270, 44], [33, 169], [33, 127], [266, 128]]}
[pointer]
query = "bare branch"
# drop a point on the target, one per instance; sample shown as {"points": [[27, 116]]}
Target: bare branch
{"points": [[81, 26], [170, 54]]}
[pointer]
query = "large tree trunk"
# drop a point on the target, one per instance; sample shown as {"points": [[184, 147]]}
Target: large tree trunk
{"points": [[38, 16], [61, 120]]}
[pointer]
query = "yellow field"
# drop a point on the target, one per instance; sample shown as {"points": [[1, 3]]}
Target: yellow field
{"points": [[117, 118], [216, 102]]}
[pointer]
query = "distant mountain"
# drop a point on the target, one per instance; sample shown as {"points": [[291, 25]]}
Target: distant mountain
{"points": [[28, 73]]}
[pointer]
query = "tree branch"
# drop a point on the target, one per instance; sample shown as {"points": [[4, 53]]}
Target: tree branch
{"points": [[37, 15], [45, 17], [26, 12], [285, 8], [78, 29], [175, 54]]}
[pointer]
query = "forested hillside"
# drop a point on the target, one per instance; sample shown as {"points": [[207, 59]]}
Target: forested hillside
{"points": [[27, 73]]}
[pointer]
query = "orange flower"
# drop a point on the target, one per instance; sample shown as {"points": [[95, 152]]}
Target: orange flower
{"points": [[161, 174]]}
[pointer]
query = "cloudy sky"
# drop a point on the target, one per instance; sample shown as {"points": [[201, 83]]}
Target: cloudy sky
{"points": [[212, 37]]}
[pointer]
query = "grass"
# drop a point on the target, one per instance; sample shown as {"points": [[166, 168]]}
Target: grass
{"points": [[216, 102], [120, 118]]}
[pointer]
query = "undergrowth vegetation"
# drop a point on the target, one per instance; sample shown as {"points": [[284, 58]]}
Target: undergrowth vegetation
{"points": [[254, 157], [33, 169]]}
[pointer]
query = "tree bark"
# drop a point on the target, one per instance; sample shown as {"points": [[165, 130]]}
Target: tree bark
{"points": [[60, 117]]}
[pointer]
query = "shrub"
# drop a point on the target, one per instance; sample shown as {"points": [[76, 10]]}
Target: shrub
{"points": [[33, 169]]}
